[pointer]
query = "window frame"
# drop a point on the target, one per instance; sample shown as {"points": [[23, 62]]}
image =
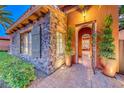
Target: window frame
{"points": [[26, 43], [60, 43]]}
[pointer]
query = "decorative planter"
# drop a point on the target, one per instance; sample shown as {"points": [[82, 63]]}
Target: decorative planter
{"points": [[103, 63], [68, 60], [110, 68]]}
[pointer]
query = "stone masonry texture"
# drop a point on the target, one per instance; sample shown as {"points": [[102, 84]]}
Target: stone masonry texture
{"points": [[48, 25]]}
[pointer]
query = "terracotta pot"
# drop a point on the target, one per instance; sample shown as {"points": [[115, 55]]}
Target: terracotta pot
{"points": [[103, 62], [68, 60], [110, 68]]}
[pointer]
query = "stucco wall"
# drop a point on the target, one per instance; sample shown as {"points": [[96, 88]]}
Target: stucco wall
{"points": [[98, 14]]}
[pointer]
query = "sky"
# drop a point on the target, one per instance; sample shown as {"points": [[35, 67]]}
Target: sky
{"points": [[17, 11]]}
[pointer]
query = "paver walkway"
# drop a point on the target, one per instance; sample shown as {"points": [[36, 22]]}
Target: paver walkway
{"points": [[77, 76]]}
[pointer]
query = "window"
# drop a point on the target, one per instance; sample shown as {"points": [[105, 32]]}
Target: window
{"points": [[26, 44], [60, 44]]}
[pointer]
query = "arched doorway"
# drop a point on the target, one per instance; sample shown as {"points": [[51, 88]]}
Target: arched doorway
{"points": [[85, 46], [91, 25]]}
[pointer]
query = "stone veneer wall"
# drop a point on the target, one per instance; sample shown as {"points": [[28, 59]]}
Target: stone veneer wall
{"points": [[43, 62], [50, 24], [15, 43], [58, 23]]}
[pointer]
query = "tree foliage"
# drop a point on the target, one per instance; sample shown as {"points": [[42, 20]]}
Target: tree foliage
{"points": [[121, 10], [107, 46], [68, 48], [121, 13], [5, 19]]}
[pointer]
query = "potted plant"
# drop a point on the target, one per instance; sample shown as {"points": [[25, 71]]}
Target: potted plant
{"points": [[68, 49], [107, 48]]}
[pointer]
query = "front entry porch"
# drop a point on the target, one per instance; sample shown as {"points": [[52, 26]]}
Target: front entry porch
{"points": [[85, 44]]}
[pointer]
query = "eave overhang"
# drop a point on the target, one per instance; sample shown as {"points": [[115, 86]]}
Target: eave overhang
{"points": [[30, 16]]}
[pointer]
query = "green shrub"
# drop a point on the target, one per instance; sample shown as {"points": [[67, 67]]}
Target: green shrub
{"points": [[68, 48], [107, 46], [16, 72]]}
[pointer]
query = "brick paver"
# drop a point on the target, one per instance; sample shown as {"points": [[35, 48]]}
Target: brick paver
{"points": [[77, 76]]}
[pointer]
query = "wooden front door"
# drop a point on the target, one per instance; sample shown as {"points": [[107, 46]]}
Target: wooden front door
{"points": [[86, 50]]}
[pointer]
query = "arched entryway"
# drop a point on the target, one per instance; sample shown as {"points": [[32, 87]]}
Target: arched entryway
{"points": [[85, 46], [90, 33]]}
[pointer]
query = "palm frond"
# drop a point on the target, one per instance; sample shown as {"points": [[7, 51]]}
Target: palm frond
{"points": [[5, 19], [2, 6], [4, 25], [5, 13]]}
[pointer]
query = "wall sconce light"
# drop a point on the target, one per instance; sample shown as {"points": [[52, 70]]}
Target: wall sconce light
{"points": [[84, 15]]}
